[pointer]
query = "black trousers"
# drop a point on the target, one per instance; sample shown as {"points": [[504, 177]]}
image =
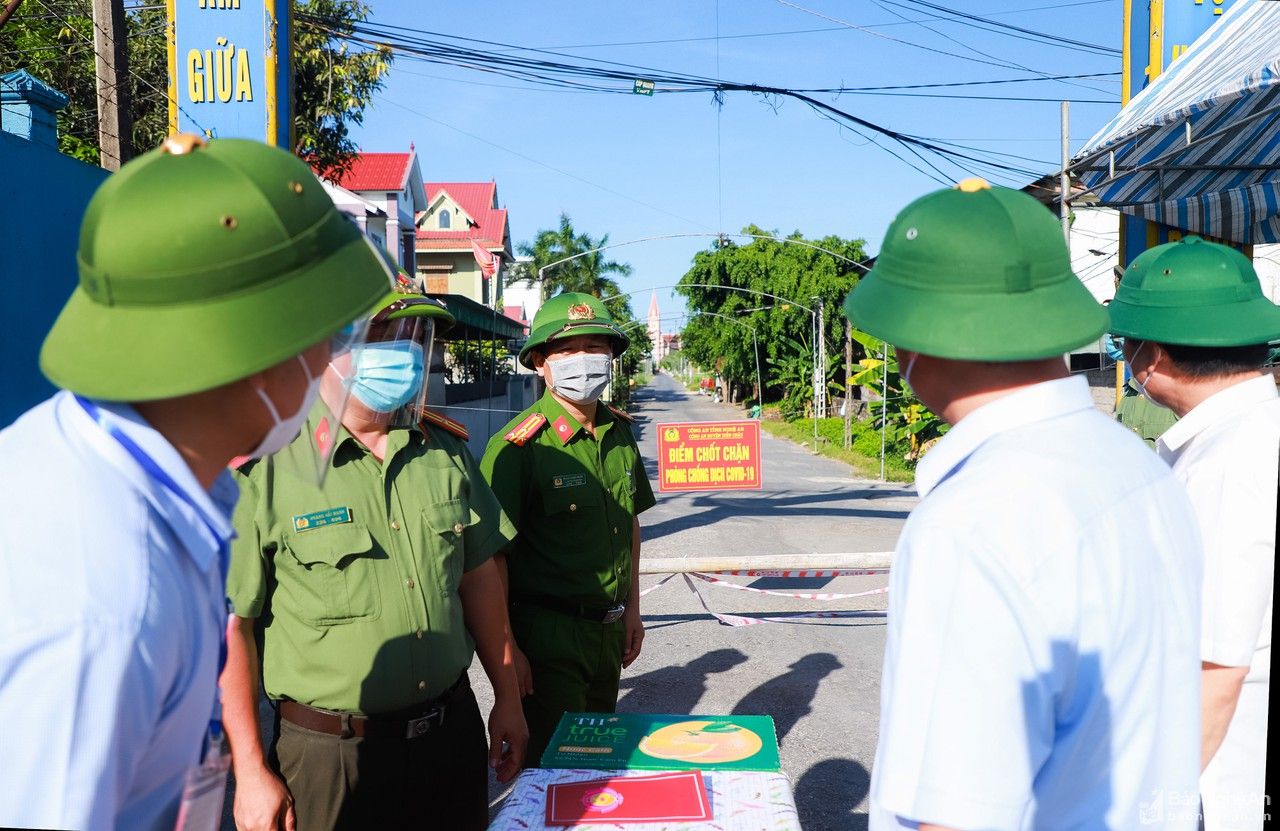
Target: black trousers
{"points": [[438, 780]]}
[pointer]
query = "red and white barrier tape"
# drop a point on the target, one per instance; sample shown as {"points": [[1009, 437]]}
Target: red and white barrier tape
{"points": [[839, 572], [656, 585], [742, 620], [795, 595]]}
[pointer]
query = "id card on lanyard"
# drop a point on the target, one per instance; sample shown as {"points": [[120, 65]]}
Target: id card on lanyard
{"points": [[205, 785]]}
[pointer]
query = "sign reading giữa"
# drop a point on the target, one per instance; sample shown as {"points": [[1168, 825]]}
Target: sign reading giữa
{"points": [[229, 69]]}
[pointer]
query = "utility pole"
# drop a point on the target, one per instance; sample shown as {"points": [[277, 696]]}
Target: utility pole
{"points": [[1064, 184], [848, 384], [115, 121], [822, 362]]}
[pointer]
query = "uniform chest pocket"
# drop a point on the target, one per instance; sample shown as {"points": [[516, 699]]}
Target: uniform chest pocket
{"points": [[329, 576], [447, 551], [572, 505]]}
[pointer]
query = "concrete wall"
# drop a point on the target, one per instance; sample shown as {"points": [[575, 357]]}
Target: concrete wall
{"points": [[47, 193], [486, 416]]}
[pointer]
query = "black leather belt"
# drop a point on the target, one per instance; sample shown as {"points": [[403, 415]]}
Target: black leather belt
{"points": [[612, 614], [409, 724]]}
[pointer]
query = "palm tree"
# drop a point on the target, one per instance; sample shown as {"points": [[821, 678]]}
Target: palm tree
{"points": [[588, 273]]}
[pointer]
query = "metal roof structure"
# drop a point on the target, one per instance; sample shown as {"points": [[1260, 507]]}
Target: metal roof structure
{"points": [[1199, 148]]}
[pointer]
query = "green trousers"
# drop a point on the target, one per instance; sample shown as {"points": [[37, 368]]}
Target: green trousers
{"points": [[575, 664], [439, 780]]}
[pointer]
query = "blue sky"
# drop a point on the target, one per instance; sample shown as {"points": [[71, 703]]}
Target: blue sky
{"points": [[635, 166]]}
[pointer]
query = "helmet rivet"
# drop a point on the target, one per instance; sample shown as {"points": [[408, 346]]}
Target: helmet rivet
{"points": [[229, 222], [1168, 271], [296, 187], [912, 233]]}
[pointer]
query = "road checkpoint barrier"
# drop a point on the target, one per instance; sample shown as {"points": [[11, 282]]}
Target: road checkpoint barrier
{"points": [[702, 569]]}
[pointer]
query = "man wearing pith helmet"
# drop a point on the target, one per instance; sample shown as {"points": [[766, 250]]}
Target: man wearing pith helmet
{"points": [[569, 474], [1195, 326], [1040, 667], [362, 603], [214, 281]]}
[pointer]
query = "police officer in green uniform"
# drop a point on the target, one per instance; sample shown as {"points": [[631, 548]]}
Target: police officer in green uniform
{"points": [[569, 475], [365, 602]]}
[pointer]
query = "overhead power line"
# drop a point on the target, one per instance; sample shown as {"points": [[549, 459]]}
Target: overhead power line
{"points": [[986, 24], [536, 66]]}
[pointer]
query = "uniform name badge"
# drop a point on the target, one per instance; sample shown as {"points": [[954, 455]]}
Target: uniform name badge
{"points": [[205, 788]]}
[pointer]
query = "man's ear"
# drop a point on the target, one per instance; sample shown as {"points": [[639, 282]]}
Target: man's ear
{"points": [[539, 360]]}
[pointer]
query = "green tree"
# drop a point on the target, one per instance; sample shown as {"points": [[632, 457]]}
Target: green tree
{"points": [[589, 273], [53, 40], [784, 330]]}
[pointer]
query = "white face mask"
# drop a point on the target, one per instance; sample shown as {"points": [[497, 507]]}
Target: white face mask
{"points": [[906, 373], [284, 430], [1133, 374], [581, 379]]}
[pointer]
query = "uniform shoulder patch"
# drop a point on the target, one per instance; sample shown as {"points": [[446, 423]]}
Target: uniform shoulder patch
{"points": [[526, 429], [622, 414], [445, 423]]}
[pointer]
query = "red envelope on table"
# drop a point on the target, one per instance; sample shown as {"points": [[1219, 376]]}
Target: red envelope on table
{"points": [[679, 795]]}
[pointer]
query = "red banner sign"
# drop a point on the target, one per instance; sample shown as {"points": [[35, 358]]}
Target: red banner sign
{"points": [[709, 456]]}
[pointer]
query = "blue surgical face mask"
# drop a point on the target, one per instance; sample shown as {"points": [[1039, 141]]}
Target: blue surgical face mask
{"points": [[387, 375]]}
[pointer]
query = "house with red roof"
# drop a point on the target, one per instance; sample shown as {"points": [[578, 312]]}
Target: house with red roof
{"points": [[383, 192], [463, 240]]}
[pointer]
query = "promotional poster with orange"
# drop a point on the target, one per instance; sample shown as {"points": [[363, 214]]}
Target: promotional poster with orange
{"points": [[709, 456], [631, 741]]}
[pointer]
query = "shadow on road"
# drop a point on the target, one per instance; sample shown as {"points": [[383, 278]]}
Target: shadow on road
{"points": [[716, 507], [828, 793], [789, 697], [676, 689]]}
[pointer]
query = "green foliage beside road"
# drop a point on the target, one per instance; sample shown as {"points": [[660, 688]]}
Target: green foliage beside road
{"points": [[784, 330], [863, 457]]}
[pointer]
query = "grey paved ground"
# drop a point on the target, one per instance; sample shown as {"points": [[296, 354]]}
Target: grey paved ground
{"points": [[819, 680]]}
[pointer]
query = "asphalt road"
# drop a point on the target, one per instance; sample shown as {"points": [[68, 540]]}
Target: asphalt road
{"points": [[820, 679]]}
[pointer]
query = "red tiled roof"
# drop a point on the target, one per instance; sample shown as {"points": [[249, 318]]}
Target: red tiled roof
{"points": [[479, 200], [377, 171], [516, 313]]}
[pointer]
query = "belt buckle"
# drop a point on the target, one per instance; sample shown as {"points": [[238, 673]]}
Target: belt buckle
{"points": [[421, 726], [615, 613]]}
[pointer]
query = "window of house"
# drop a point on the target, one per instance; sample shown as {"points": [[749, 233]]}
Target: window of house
{"points": [[445, 220]]}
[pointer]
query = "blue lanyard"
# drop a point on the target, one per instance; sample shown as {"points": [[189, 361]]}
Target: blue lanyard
{"points": [[158, 474]]}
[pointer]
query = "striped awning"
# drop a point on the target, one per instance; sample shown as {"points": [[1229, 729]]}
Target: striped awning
{"points": [[1199, 148]]}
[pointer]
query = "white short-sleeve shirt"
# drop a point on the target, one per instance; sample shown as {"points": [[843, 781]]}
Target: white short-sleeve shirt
{"points": [[1041, 667], [111, 611], [1225, 452]]}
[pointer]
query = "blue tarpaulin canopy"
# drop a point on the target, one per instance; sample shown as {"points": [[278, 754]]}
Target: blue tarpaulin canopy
{"points": [[1199, 148]]}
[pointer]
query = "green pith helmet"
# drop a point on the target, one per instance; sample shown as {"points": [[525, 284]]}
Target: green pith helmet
{"points": [[396, 305], [1194, 293], [202, 263], [568, 314], [976, 273]]}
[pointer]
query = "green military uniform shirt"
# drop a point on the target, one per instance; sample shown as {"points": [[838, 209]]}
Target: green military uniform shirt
{"points": [[355, 586], [572, 497]]}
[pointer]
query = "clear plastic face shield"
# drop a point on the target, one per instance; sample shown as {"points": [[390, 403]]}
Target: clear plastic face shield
{"points": [[385, 380]]}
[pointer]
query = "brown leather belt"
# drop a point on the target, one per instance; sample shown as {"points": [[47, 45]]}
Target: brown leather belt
{"points": [[412, 723]]}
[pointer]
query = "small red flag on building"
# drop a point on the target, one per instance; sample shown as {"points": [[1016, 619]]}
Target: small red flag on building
{"points": [[487, 261]]}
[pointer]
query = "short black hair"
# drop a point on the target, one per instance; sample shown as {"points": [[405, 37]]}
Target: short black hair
{"points": [[1212, 361]]}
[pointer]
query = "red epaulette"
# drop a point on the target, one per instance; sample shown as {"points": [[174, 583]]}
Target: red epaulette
{"points": [[622, 414], [445, 423], [526, 429]]}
